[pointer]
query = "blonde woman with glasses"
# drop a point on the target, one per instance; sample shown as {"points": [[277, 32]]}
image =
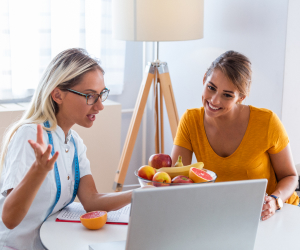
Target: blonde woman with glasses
{"points": [[43, 161]]}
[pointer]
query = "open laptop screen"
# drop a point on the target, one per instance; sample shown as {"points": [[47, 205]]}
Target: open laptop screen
{"points": [[206, 216]]}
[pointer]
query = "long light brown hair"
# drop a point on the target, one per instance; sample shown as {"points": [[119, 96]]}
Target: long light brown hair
{"points": [[236, 67]]}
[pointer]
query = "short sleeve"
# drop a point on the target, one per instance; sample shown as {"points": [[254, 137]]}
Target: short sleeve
{"points": [[84, 163], [19, 158], [183, 138], [277, 135]]}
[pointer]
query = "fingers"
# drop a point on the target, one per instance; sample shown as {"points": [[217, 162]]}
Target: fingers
{"points": [[46, 160], [265, 206], [50, 162], [43, 152], [266, 212], [39, 136], [269, 209], [267, 216], [43, 158], [46, 154], [53, 159], [36, 147], [32, 144]]}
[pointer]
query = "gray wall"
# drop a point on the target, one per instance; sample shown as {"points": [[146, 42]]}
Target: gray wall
{"points": [[253, 27]]}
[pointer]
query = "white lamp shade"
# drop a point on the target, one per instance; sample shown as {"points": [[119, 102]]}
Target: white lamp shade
{"points": [[157, 20]]}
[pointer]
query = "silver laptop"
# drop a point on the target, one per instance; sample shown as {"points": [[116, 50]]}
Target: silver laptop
{"points": [[218, 216]]}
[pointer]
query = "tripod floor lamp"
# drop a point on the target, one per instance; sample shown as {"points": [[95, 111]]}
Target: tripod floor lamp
{"points": [[154, 21]]}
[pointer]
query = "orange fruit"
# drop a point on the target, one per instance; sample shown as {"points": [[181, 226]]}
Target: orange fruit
{"points": [[199, 175], [94, 220]]}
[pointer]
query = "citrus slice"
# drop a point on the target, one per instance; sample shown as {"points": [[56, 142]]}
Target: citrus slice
{"points": [[199, 175], [94, 220]]}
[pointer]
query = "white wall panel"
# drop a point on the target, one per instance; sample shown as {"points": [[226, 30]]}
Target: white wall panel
{"points": [[290, 107], [254, 28]]}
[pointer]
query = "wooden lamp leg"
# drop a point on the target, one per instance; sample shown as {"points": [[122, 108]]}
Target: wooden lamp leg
{"points": [[156, 112], [168, 94], [133, 128], [161, 119]]}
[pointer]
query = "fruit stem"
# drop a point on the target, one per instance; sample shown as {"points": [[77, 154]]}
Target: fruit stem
{"points": [[179, 159], [179, 162]]}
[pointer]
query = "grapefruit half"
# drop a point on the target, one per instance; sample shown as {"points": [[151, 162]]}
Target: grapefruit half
{"points": [[199, 175], [94, 220]]}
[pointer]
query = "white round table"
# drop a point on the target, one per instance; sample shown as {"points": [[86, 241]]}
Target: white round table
{"points": [[277, 233], [281, 231]]}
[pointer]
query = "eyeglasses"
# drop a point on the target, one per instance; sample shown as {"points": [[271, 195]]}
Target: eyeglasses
{"points": [[91, 99]]}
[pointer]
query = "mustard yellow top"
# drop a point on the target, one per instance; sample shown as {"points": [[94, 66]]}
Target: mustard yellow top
{"points": [[265, 135]]}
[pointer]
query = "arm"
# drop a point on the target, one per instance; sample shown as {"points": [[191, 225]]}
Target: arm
{"points": [[19, 199], [92, 200], [287, 177], [185, 154]]}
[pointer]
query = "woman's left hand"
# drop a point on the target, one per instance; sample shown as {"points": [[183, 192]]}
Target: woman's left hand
{"points": [[269, 208]]}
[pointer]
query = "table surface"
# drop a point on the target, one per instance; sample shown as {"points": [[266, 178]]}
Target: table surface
{"points": [[281, 231]]}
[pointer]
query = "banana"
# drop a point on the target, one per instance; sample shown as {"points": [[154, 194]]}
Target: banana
{"points": [[179, 162], [175, 171]]}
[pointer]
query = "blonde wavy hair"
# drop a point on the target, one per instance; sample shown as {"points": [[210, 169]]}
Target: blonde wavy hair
{"points": [[64, 71]]}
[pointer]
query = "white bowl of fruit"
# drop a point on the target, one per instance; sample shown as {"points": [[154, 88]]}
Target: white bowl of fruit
{"points": [[159, 172]]}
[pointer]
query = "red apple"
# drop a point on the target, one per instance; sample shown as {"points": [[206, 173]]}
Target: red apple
{"points": [[162, 177], [181, 179], [160, 161], [146, 172]]}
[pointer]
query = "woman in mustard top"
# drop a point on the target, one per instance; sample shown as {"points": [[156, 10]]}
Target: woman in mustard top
{"points": [[236, 141]]}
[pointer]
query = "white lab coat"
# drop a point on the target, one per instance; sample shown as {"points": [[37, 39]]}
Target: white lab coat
{"points": [[19, 159]]}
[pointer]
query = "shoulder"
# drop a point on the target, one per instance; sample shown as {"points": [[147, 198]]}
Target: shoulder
{"points": [[26, 131], [19, 140], [261, 111], [262, 114], [262, 117], [268, 127], [191, 117], [27, 128], [19, 150], [195, 112]]}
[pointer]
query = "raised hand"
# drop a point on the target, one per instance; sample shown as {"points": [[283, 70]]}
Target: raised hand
{"points": [[42, 152], [20, 199]]}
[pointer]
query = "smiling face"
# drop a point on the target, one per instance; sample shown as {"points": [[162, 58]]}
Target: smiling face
{"points": [[219, 96], [73, 108]]}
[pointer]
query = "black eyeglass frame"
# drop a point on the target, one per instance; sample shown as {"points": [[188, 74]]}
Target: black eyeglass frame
{"points": [[87, 95]]}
